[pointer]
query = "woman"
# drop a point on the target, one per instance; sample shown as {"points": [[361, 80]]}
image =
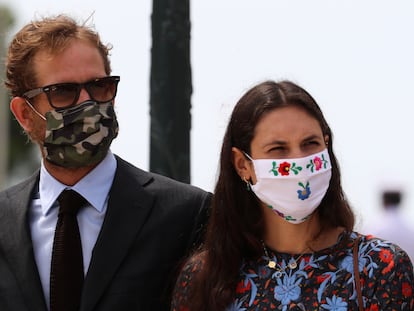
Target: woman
{"points": [[281, 235]]}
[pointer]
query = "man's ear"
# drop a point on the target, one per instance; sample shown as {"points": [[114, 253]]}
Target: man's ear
{"points": [[242, 164], [22, 113]]}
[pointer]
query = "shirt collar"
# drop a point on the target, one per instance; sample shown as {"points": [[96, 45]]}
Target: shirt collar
{"points": [[94, 187]]}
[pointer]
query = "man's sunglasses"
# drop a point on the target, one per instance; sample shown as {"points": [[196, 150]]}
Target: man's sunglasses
{"points": [[64, 95]]}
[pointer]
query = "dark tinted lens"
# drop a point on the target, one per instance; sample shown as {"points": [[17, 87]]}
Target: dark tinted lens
{"points": [[63, 95], [102, 90]]}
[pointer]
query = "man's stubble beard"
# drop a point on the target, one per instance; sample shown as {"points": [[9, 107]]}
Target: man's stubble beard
{"points": [[38, 131]]}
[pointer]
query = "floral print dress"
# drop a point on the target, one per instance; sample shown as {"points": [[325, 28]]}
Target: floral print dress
{"points": [[323, 280]]}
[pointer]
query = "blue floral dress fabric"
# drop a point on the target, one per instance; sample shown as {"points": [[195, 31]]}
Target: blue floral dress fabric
{"points": [[323, 280]]}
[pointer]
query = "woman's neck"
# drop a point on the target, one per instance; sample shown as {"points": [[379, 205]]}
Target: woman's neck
{"points": [[306, 237]]}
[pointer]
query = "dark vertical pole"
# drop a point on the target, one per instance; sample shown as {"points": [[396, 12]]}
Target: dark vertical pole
{"points": [[170, 89]]}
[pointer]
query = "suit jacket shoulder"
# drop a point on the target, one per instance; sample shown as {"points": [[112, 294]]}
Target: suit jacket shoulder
{"points": [[169, 194], [20, 287], [151, 224]]}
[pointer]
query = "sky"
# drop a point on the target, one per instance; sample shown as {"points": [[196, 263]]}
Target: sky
{"points": [[355, 57]]}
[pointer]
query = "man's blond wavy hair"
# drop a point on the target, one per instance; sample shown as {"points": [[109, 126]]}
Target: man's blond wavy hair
{"points": [[50, 34]]}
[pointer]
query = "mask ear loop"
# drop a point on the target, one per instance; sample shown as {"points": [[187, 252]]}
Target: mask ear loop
{"points": [[247, 156], [33, 108]]}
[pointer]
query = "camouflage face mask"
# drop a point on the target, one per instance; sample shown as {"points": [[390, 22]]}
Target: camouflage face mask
{"points": [[80, 135]]}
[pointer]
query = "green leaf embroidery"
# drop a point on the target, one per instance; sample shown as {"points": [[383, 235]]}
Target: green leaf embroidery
{"points": [[295, 169], [274, 168], [310, 165]]}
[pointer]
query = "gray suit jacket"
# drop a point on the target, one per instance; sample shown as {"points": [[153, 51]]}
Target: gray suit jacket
{"points": [[150, 224]]}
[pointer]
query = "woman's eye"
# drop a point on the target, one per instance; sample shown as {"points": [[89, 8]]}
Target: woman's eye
{"points": [[312, 142], [278, 148], [278, 152]]}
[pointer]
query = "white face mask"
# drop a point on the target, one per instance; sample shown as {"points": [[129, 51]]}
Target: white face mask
{"points": [[293, 188]]}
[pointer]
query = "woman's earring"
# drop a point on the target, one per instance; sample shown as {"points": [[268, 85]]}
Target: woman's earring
{"points": [[247, 183]]}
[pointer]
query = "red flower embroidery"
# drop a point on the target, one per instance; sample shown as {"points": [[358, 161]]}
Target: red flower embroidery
{"points": [[318, 163], [284, 168], [242, 287], [388, 268], [373, 307], [407, 289], [385, 255], [322, 278]]}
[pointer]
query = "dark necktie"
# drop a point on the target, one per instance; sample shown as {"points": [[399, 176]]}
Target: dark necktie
{"points": [[66, 274]]}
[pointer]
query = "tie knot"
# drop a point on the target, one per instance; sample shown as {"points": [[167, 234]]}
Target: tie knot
{"points": [[70, 202]]}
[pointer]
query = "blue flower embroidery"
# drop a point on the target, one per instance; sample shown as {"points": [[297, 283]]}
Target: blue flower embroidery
{"points": [[305, 192], [336, 304], [288, 289]]}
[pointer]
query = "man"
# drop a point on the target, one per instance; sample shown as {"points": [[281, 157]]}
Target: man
{"points": [[134, 226]]}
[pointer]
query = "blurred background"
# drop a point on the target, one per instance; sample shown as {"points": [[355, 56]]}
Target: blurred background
{"points": [[355, 57]]}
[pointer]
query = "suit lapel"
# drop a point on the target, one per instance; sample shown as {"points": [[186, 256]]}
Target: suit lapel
{"points": [[15, 241], [128, 208]]}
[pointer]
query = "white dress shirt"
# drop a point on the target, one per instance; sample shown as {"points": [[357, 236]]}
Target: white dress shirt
{"points": [[43, 214]]}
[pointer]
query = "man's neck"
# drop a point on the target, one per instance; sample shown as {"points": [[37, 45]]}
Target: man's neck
{"points": [[67, 176]]}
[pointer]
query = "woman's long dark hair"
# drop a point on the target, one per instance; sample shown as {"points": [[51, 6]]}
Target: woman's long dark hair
{"points": [[236, 224]]}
